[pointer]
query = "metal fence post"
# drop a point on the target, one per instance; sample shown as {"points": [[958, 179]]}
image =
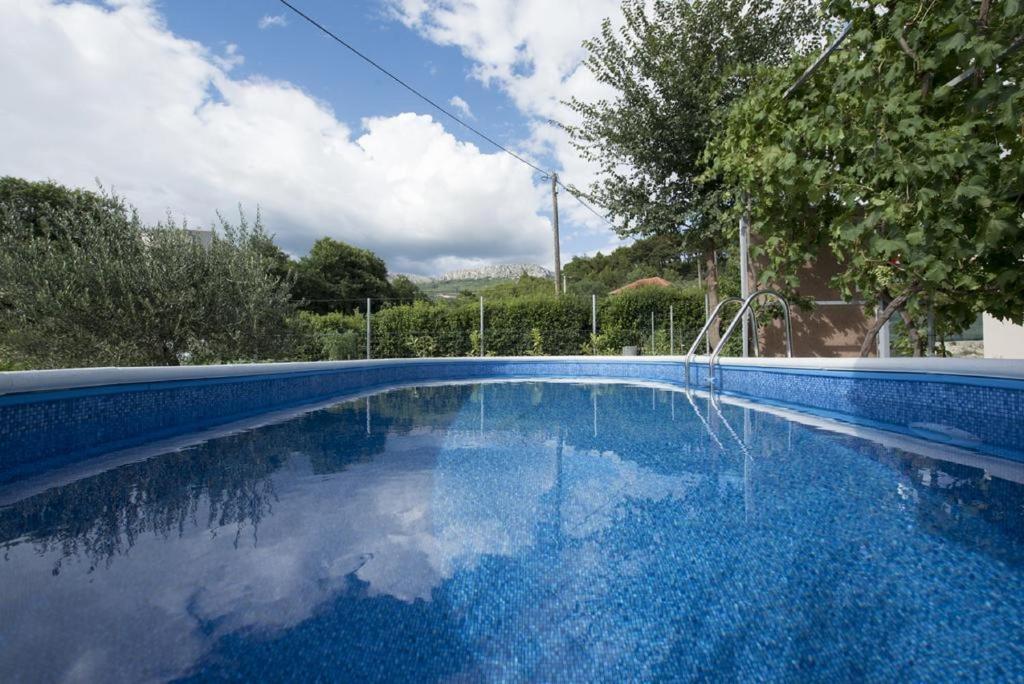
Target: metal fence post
{"points": [[930, 351], [652, 333], [593, 321], [707, 313], [481, 325], [671, 329], [369, 306], [883, 336], [745, 270]]}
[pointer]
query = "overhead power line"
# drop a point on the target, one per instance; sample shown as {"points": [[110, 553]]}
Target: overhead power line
{"points": [[548, 175], [578, 196], [444, 110]]}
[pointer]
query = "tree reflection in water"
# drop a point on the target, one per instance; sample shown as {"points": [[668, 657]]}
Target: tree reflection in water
{"points": [[223, 483], [228, 482], [439, 532]]}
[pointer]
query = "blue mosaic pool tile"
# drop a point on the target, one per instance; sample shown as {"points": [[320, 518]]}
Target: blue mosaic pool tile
{"points": [[964, 410], [46, 425]]}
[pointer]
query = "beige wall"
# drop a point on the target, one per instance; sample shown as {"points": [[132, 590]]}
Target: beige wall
{"points": [[1003, 339], [826, 331]]}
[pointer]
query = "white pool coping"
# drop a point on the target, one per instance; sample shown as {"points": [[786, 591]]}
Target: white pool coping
{"points": [[12, 382]]}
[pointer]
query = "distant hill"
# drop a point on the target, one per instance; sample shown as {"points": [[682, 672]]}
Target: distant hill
{"points": [[477, 278], [497, 272]]}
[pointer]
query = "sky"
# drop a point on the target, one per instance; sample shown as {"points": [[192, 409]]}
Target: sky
{"points": [[191, 108]]}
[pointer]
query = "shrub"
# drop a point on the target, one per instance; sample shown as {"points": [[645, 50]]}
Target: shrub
{"points": [[625, 318], [536, 325], [422, 330], [88, 288], [329, 337]]}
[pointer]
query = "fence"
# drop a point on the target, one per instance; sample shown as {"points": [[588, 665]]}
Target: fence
{"points": [[656, 321]]}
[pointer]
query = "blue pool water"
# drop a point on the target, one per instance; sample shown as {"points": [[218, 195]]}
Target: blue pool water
{"points": [[522, 531]]}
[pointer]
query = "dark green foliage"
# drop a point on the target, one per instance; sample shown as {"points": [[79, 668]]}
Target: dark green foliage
{"points": [[537, 325], [658, 255], [513, 327], [329, 337], [424, 330], [335, 276], [914, 187], [38, 204], [404, 291], [279, 264]]}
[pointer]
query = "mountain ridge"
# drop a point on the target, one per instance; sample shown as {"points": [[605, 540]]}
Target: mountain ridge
{"points": [[495, 272]]}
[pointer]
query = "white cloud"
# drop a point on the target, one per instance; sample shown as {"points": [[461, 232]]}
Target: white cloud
{"points": [[272, 20], [428, 506], [108, 92], [532, 50], [462, 106], [230, 59]]}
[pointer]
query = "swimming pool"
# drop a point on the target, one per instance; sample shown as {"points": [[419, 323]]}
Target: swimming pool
{"points": [[490, 528]]}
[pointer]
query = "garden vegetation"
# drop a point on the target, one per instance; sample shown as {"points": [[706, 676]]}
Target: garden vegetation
{"points": [[902, 158], [83, 282]]}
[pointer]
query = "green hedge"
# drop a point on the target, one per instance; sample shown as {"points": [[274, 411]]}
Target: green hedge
{"points": [[515, 326], [512, 327], [537, 325], [329, 337], [424, 329], [625, 319]]}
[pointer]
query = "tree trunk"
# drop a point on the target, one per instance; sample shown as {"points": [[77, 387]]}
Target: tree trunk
{"points": [[711, 280], [986, 6], [895, 305], [912, 333]]}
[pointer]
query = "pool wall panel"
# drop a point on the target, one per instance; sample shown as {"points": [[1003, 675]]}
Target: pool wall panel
{"points": [[77, 421]]}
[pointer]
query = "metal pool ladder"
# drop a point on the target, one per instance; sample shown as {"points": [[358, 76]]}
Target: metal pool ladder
{"points": [[704, 331], [747, 303]]}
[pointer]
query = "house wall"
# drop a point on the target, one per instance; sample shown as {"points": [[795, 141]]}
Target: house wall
{"points": [[1003, 339], [827, 330]]}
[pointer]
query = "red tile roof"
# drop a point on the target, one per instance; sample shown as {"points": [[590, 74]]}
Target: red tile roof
{"points": [[643, 282]]}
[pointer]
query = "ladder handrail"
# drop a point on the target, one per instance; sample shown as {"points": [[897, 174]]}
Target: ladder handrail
{"points": [[747, 303], [704, 331]]}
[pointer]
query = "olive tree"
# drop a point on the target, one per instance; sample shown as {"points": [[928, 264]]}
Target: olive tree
{"points": [[99, 288]]}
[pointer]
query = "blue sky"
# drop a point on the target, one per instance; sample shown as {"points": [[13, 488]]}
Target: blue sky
{"points": [[297, 52], [194, 107]]}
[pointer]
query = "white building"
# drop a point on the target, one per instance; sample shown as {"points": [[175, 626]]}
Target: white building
{"points": [[1003, 339]]}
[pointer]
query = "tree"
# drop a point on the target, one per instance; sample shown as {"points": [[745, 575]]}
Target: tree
{"points": [[915, 186], [674, 69], [404, 291], [37, 201], [98, 288], [279, 264], [657, 255], [335, 276]]}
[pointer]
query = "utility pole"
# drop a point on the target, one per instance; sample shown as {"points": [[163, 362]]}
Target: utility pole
{"points": [[554, 227]]}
